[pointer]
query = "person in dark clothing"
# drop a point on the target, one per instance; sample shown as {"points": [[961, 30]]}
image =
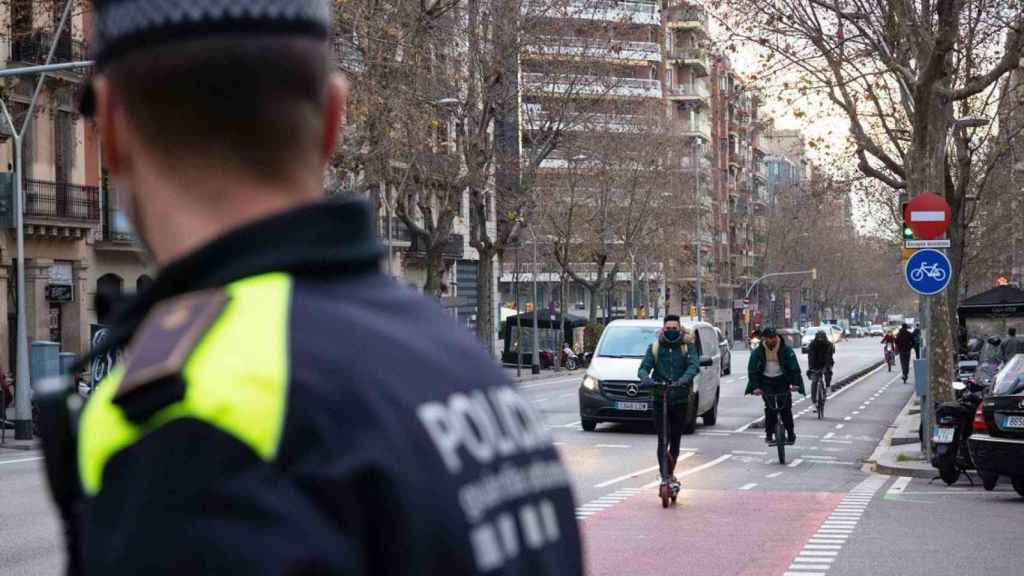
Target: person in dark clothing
{"points": [[1011, 346], [673, 358], [904, 346], [821, 356], [773, 369], [285, 407], [917, 342]]}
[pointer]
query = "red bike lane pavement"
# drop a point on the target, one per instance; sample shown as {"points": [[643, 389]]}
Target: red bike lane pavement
{"points": [[724, 533]]}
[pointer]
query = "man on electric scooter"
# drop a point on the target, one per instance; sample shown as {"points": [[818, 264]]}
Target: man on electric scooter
{"points": [[774, 369], [672, 358]]}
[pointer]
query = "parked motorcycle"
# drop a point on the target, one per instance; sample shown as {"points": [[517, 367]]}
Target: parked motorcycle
{"points": [[954, 424], [569, 359]]}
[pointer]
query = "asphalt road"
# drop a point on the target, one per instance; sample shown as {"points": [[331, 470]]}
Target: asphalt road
{"points": [[740, 513]]}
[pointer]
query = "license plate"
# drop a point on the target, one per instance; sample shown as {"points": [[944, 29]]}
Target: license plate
{"points": [[943, 435], [1013, 422], [635, 406]]}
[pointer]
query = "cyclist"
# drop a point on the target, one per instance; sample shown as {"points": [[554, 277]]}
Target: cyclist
{"points": [[773, 369], [821, 356], [673, 358], [889, 348]]}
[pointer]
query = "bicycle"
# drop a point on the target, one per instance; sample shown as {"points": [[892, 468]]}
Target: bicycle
{"points": [[667, 491], [777, 403], [890, 357], [821, 390]]}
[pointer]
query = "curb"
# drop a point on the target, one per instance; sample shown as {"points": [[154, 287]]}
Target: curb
{"points": [[880, 462], [545, 376]]}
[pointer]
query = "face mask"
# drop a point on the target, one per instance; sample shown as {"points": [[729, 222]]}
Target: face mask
{"points": [[127, 202], [672, 335]]}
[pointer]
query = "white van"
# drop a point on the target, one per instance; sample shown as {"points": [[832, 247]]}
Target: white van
{"points": [[609, 392]]}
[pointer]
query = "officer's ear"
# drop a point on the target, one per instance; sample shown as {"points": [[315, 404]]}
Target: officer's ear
{"points": [[333, 115]]}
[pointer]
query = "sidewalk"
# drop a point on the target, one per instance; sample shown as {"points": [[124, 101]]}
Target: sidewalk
{"points": [[544, 374], [899, 452]]}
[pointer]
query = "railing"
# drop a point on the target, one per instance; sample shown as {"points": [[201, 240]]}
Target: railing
{"points": [[695, 90], [696, 55], [34, 47], [700, 128], [61, 200], [116, 227], [592, 85], [612, 49], [692, 15], [609, 10]]}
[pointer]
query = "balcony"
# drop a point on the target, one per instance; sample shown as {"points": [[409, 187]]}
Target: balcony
{"points": [[580, 85], [693, 92], [601, 10], [34, 47], [598, 49], [696, 129], [696, 57], [454, 250], [61, 201], [686, 17]]}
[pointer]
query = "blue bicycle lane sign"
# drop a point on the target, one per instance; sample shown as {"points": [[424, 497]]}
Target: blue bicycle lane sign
{"points": [[928, 272]]}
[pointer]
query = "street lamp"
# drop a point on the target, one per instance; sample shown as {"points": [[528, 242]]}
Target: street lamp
{"points": [[535, 366]]}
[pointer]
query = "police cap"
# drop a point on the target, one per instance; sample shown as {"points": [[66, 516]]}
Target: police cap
{"points": [[121, 26]]}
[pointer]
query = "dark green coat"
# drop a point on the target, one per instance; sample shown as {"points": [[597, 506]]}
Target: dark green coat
{"points": [[674, 361], [790, 368]]}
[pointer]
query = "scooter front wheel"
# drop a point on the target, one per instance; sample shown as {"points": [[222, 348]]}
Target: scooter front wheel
{"points": [[663, 492]]}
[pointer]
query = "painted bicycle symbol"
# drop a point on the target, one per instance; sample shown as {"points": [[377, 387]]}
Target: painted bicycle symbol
{"points": [[934, 271]]}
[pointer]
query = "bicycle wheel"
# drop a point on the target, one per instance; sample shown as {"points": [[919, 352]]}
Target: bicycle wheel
{"points": [[780, 437]]}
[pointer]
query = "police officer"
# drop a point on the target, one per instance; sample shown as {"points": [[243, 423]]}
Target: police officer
{"points": [[284, 407]]}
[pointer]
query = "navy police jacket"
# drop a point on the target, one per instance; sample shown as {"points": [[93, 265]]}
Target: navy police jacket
{"points": [[284, 408]]}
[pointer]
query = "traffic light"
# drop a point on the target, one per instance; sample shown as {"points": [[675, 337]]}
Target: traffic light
{"points": [[906, 233]]}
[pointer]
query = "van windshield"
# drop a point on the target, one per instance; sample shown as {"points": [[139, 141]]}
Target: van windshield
{"points": [[627, 341]]}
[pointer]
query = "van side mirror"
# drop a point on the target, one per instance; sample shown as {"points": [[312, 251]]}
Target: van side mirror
{"points": [[706, 362]]}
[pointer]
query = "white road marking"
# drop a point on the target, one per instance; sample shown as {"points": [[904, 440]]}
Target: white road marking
{"points": [[570, 424], [822, 547], [829, 435], [838, 426], [635, 474], [899, 486], [838, 441], [855, 412], [541, 399], [749, 452], [795, 463], [611, 446], [848, 418], [774, 475], [692, 471], [803, 573], [713, 434], [2, 462], [748, 486], [816, 457]]}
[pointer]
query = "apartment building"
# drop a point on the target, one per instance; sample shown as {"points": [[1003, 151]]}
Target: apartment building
{"points": [[77, 241], [593, 69]]}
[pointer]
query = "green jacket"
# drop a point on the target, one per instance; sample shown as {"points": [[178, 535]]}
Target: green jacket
{"points": [[790, 368], [674, 361]]}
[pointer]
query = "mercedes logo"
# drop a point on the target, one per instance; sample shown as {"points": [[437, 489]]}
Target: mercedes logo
{"points": [[632, 389]]}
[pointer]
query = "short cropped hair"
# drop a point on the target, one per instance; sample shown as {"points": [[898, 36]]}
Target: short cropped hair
{"points": [[251, 103]]}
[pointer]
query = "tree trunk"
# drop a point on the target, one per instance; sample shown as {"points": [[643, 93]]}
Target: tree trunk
{"points": [[434, 263], [595, 295], [486, 320]]}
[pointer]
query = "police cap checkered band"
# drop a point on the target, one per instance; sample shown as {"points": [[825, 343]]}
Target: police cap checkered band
{"points": [[120, 25]]}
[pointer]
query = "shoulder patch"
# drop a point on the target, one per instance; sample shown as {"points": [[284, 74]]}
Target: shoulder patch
{"points": [[162, 347]]}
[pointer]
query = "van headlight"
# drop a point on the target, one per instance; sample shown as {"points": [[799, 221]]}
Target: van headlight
{"points": [[591, 383]]}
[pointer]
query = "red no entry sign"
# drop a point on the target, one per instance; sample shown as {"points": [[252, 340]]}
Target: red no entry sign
{"points": [[928, 215]]}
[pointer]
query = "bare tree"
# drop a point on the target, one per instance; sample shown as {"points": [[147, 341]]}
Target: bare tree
{"points": [[901, 72]]}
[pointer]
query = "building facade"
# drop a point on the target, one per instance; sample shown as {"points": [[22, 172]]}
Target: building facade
{"points": [[77, 241]]}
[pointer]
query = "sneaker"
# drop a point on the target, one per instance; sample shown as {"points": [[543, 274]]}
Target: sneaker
{"points": [[673, 483], [790, 439], [769, 439]]}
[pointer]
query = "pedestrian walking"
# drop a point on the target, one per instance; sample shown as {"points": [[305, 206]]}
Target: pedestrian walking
{"points": [[285, 408], [1012, 346], [904, 346], [917, 342]]}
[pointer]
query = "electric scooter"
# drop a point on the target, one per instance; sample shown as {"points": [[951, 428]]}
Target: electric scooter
{"points": [[667, 491]]}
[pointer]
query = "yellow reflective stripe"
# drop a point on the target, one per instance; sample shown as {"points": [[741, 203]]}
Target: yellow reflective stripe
{"points": [[237, 380]]}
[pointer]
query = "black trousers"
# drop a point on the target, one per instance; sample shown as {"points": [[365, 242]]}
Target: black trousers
{"points": [[905, 363], [778, 386], [676, 419]]}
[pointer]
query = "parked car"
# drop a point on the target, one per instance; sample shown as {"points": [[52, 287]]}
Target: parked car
{"points": [[725, 347], [856, 332], [877, 330], [609, 391], [809, 333], [997, 444]]}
